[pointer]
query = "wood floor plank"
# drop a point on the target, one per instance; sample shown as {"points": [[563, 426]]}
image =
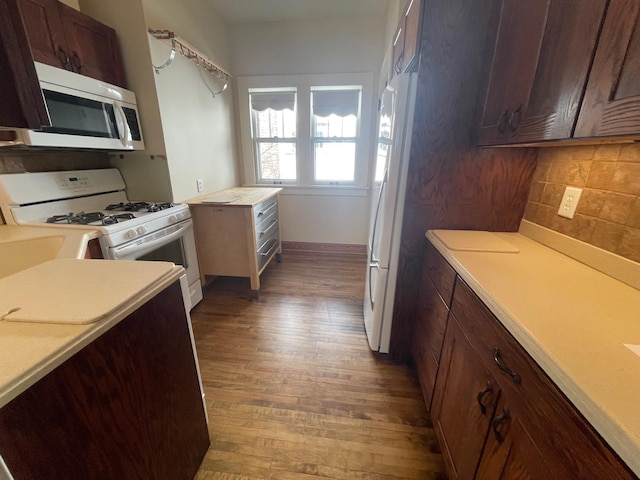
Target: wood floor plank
{"points": [[293, 390]]}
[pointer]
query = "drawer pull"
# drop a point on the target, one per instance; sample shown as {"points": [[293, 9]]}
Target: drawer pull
{"points": [[497, 357], [497, 420], [273, 242], [262, 212], [262, 232], [481, 396]]}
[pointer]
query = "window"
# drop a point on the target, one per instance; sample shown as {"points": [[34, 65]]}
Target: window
{"points": [[335, 114], [306, 131], [273, 122]]}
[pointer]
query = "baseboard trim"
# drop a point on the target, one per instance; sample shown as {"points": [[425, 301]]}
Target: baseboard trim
{"points": [[310, 247]]}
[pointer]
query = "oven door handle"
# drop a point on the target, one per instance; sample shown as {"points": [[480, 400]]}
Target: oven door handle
{"points": [[122, 253]]}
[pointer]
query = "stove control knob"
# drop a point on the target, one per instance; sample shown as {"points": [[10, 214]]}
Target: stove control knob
{"points": [[131, 234], [141, 230], [181, 216], [173, 219]]}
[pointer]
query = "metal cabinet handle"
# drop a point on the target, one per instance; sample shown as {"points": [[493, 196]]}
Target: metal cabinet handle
{"points": [[76, 61], [514, 119], [497, 420], [63, 57], [497, 357], [481, 395], [274, 242], [398, 66], [269, 207], [262, 232], [501, 119]]}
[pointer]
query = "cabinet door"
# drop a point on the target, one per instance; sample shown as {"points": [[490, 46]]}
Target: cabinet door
{"points": [[20, 95], [93, 47], [539, 69], [44, 29], [463, 405], [428, 335], [611, 105], [510, 451], [412, 23]]}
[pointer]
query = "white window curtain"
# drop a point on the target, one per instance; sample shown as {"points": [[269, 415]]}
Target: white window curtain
{"points": [[274, 100], [341, 103]]}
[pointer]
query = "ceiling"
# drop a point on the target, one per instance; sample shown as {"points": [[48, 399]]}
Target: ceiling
{"points": [[254, 11]]}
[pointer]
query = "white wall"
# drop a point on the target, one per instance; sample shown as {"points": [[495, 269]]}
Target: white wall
{"points": [[303, 47], [188, 134]]}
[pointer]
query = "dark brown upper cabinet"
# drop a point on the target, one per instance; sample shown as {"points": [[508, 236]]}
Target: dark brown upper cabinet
{"points": [[49, 32], [406, 41], [66, 38], [611, 106], [541, 60]]}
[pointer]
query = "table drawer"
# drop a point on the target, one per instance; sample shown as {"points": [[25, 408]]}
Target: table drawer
{"points": [[264, 209], [266, 231], [268, 248]]}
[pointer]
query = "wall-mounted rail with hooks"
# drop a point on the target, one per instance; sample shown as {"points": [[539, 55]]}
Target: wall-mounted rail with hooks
{"points": [[185, 49]]}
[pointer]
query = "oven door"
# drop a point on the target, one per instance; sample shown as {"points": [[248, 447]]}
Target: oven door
{"points": [[172, 244]]}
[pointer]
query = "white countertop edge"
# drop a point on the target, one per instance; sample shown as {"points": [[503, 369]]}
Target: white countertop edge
{"points": [[93, 331], [620, 268], [611, 431]]}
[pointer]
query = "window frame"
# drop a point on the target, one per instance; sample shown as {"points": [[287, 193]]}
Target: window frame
{"points": [[305, 162]]}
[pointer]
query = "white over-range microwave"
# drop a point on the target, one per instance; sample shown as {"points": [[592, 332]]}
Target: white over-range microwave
{"points": [[84, 113]]}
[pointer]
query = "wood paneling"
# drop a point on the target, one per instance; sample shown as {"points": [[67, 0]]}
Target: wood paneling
{"points": [[452, 183], [293, 390], [126, 406]]}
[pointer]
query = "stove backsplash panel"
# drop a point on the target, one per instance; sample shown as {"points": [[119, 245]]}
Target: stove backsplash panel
{"points": [[18, 161]]}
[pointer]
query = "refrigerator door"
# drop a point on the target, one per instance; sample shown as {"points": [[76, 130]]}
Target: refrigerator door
{"points": [[375, 285], [378, 244], [387, 210]]}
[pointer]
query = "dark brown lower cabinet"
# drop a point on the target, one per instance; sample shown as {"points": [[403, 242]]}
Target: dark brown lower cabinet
{"points": [[127, 406], [463, 405], [498, 416], [436, 290], [510, 450]]}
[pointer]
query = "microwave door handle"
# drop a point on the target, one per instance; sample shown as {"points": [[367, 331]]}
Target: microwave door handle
{"points": [[123, 127], [120, 253]]}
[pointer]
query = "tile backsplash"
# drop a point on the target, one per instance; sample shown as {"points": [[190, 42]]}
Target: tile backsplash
{"points": [[608, 213], [20, 161]]}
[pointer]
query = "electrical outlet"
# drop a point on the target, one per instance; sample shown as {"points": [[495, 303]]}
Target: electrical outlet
{"points": [[200, 184], [569, 202]]}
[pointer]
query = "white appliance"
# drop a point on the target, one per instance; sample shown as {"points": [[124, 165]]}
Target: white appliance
{"points": [[96, 199], [397, 105], [84, 113]]}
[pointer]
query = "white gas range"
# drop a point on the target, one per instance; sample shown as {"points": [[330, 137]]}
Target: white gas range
{"points": [[96, 199]]}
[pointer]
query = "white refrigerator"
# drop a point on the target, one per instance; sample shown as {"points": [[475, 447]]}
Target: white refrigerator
{"points": [[395, 118]]}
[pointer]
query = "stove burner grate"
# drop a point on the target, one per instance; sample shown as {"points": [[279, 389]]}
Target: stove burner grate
{"points": [[139, 206], [112, 219], [79, 218]]}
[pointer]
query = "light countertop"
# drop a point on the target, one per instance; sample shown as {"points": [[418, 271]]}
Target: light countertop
{"points": [[581, 326], [52, 285], [25, 246], [236, 197]]}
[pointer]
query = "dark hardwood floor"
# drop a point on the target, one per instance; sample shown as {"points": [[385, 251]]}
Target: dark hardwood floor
{"points": [[292, 389]]}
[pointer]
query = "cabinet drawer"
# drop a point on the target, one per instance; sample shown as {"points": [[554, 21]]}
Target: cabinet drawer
{"points": [[572, 447], [264, 209], [266, 230], [441, 273], [268, 248]]}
